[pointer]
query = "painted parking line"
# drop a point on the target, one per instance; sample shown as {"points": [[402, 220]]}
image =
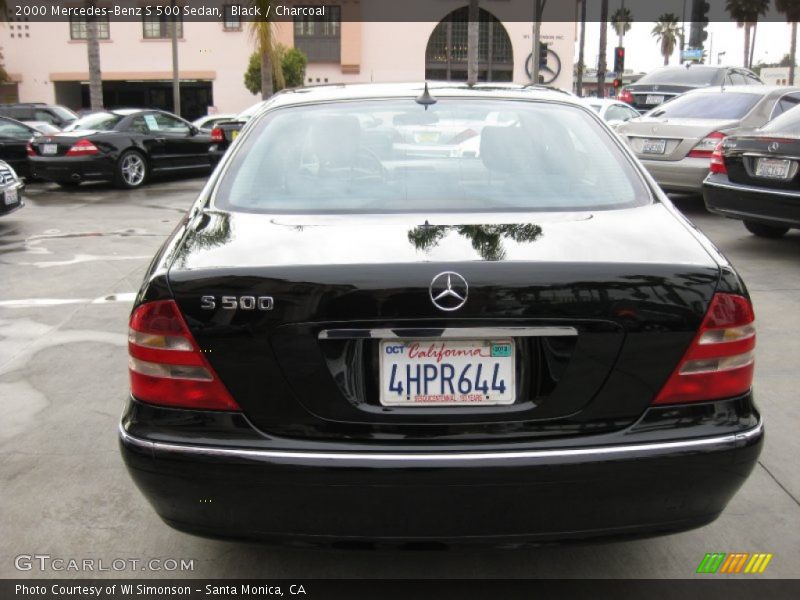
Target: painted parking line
{"points": [[37, 302]]}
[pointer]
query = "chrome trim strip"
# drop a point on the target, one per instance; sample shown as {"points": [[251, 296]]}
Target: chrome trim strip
{"points": [[752, 189], [447, 333], [723, 441]]}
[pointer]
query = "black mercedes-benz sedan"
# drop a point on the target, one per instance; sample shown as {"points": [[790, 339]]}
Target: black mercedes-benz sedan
{"points": [[11, 187], [126, 146], [754, 177], [352, 338]]}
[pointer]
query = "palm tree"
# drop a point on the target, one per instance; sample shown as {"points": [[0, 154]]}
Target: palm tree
{"points": [[621, 22], [746, 13], [601, 65], [473, 34], [93, 57], [790, 8], [667, 32], [263, 34]]}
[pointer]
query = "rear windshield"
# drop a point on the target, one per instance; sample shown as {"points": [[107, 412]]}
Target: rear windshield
{"points": [[787, 123], [459, 155], [722, 105], [64, 113], [101, 121], [681, 76]]}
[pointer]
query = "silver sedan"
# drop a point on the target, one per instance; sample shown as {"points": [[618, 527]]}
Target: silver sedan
{"points": [[675, 141]]}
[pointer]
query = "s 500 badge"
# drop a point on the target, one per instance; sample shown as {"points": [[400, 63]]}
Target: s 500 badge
{"points": [[237, 302]]}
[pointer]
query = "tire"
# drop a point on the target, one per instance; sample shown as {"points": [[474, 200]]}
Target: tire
{"points": [[131, 170], [765, 231]]}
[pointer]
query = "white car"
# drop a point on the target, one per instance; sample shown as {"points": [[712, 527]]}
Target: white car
{"points": [[208, 121], [614, 112]]}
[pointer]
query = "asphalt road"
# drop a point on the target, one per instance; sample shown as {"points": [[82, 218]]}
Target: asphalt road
{"points": [[70, 262]]}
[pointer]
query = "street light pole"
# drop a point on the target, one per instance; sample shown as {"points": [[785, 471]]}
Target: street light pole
{"points": [[537, 36]]}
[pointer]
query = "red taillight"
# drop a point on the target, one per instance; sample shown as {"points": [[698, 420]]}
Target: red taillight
{"points": [[718, 161], [719, 362], [216, 135], [83, 148], [625, 95], [29, 149], [166, 365], [707, 145]]}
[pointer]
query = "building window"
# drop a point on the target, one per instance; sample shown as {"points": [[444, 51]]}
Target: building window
{"points": [[231, 22], [319, 37], [78, 28], [155, 27]]}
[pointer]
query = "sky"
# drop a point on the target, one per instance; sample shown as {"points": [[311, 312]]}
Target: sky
{"points": [[643, 52]]}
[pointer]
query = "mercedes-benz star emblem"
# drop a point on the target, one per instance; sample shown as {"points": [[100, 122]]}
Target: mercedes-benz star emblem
{"points": [[449, 291], [774, 147]]}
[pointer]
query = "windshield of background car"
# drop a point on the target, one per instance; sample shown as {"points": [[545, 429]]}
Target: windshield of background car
{"points": [[721, 105], [64, 113], [681, 76], [458, 155], [96, 121], [787, 124]]}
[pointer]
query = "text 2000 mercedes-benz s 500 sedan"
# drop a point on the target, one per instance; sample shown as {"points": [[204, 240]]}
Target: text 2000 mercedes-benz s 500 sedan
{"points": [[456, 314]]}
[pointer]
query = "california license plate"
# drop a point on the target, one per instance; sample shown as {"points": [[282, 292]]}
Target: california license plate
{"points": [[447, 372], [651, 99], [11, 197], [773, 168], [654, 146], [49, 148]]}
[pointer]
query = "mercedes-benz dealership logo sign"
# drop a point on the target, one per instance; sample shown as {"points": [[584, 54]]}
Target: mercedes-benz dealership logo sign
{"points": [[449, 291]]}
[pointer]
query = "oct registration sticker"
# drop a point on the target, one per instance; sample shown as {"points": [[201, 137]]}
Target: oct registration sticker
{"points": [[447, 372]]}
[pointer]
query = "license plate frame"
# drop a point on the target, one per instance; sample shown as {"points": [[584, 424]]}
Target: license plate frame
{"points": [[49, 149], [11, 197], [654, 146], [435, 392], [654, 99], [773, 168]]}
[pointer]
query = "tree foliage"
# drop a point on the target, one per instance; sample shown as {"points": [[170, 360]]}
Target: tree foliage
{"points": [[667, 33], [293, 68]]}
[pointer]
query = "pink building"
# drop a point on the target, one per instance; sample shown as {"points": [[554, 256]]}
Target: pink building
{"points": [[47, 60]]}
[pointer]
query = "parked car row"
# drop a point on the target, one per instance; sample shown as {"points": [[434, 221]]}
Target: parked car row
{"points": [[734, 143]]}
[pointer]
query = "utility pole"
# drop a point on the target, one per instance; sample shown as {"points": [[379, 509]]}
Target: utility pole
{"points": [[176, 76], [537, 36], [683, 30], [581, 62]]}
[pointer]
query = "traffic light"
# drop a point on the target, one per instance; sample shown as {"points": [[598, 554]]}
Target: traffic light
{"points": [[542, 55], [698, 33], [617, 83], [619, 60]]}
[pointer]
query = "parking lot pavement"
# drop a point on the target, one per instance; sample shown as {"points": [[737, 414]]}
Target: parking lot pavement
{"points": [[69, 263]]}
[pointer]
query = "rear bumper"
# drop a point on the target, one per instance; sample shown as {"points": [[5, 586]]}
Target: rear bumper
{"points": [[484, 496], [749, 203], [69, 169], [686, 175]]}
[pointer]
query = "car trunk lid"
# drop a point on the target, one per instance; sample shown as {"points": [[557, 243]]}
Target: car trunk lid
{"points": [[594, 330], [663, 139]]}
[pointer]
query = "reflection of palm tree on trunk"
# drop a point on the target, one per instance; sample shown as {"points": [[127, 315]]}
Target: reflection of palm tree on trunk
{"points": [[487, 240]]}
